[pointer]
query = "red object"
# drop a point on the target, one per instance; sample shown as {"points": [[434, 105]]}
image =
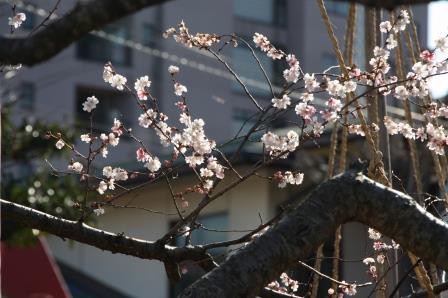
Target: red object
{"points": [[31, 272]]}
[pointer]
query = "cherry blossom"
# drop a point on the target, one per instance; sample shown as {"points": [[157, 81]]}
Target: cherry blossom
{"points": [[402, 20], [153, 164], [140, 87], [179, 89], [142, 155], [60, 144], [90, 103], [401, 92], [173, 70], [310, 82], [281, 103], [102, 187], [265, 45], [374, 235], [280, 144], [118, 174], [368, 261], [290, 178], [117, 128], [146, 119], [118, 81], [442, 44], [86, 138], [113, 139], [307, 97], [114, 79], [291, 75], [98, 211], [385, 27], [380, 258], [76, 167], [305, 110], [17, 20], [427, 56]]}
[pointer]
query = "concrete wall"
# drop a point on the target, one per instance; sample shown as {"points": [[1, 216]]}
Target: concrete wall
{"points": [[143, 278]]}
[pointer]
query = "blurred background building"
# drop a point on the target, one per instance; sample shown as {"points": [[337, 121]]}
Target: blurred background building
{"points": [[53, 92]]}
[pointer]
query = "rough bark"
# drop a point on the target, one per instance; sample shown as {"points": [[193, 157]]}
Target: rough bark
{"points": [[349, 197], [16, 214], [90, 15], [56, 36]]}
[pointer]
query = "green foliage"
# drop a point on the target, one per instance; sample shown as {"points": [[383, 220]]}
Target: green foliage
{"points": [[27, 179]]}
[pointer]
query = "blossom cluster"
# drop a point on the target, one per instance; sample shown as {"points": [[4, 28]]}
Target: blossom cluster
{"points": [[140, 87], [115, 80], [17, 20], [291, 74], [112, 175], [271, 51], [286, 284], [182, 36], [436, 136], [280, 145], [288, 177]]}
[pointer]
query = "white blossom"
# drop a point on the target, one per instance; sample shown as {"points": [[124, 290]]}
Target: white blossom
{"points": [[310, 82], [147, 118], [76, 167], [368, 261], [102, 187], [59, 144], [108, 171], [98, 211], [17, 20], [86, 138], [374, 235], [113, 139], [90, 103], [118, 81], [281, 103], [142, 83], [401, 92], [291, 75], [153, 164], [179, 89], [173, 69], [385, 26], [442, 44]]}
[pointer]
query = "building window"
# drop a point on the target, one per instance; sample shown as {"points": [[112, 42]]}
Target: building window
{"points": [[94, 48], [242, 121], [111, 105], [272, 12], [247, 68], [337, 7], [191, 270], [27, 95], [151, 35], [30, 22]]}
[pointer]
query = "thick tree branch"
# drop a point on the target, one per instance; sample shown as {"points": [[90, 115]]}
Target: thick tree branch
{"points": [[56, 36], [353, 198], [388, 4], [12, 213], [349, 197]]}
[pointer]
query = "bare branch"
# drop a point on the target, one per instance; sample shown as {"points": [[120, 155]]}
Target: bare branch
{"points": [[116, 243], [56, 36]]}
